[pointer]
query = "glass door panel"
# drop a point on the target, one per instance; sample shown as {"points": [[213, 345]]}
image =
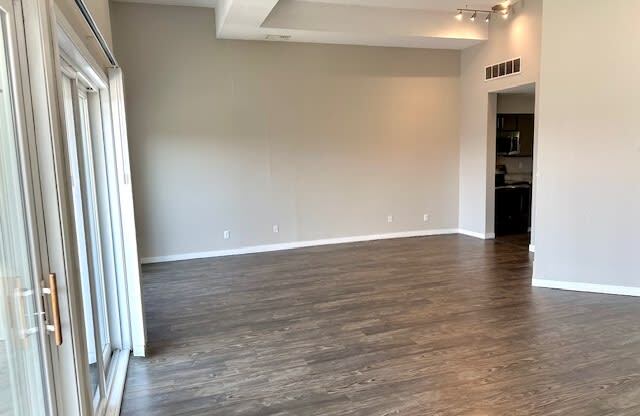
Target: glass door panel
{"points": [[92, 217], [22, 377], [80, 143], [81, 237]]}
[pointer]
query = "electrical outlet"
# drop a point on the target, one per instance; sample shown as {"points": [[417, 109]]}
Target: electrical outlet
{"points": [[276, 229], [227, 234], [390, 218], [426, 217]]}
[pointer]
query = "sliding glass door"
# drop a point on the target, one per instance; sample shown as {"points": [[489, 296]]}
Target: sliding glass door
{"points": [[61, 353], [23, 354], [81, 139]]}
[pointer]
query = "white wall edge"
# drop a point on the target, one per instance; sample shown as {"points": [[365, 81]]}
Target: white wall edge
{"points": [[587, 287], [483, 236], [532, 248], [139, 350], [293, 245]]}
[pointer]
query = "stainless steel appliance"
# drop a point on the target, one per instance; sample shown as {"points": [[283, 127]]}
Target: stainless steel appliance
{"points": [[508, 143]]}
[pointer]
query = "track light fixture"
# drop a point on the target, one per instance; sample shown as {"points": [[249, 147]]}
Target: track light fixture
{"points": [[503, 9]]}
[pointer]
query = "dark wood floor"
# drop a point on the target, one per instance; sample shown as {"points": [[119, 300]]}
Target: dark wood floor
{"points": [[423, 326], [521, 240]]}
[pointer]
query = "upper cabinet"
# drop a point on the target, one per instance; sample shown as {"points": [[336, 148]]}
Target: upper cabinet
{"points": [[507, 122]]}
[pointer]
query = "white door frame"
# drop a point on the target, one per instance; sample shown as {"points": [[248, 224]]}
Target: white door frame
{"points": [[490, 192], [49, 160]]}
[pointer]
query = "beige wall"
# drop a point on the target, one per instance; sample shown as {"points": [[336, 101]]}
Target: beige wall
{"points": [[519, 36], [516, 103], [588, 227], [323, 140]]}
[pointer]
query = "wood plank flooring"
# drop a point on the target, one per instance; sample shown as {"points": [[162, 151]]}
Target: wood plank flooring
{"points": [[438, 326]]}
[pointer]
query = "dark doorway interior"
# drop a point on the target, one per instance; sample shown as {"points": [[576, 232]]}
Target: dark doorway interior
{"points": [[514, 164]]}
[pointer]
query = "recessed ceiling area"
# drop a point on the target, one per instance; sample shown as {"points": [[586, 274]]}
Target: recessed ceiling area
{"points": [[397, 23], [431, 5]]}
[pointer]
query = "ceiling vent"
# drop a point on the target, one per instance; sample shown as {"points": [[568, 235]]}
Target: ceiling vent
{"points": [[503, 69]]}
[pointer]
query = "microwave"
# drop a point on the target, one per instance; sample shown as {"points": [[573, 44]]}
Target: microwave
{"points": [[508, 143]]}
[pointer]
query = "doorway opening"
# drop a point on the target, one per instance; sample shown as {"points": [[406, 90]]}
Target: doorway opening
{"points": [[514, 113]]}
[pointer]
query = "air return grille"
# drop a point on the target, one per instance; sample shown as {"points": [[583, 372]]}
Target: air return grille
{"points": [[503, 69]]}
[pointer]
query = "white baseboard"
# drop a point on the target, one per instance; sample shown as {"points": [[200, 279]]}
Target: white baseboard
{"points": [[483, 236], [587, 287], [532, 248], [292, 245]]}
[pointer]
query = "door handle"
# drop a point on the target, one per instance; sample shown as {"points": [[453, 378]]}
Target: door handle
{"points": [[20, 295], [52, 291]]}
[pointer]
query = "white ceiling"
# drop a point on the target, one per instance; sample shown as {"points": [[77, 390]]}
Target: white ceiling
{"points": [[191, 3], [433, 5], [399, 23]]}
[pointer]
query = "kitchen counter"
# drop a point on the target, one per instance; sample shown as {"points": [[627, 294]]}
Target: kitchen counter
{"points": [[518, 185]]}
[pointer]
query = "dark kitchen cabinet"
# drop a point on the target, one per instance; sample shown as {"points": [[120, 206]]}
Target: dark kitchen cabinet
{"points": [[513, 209], [507, 122], [526, 124]]}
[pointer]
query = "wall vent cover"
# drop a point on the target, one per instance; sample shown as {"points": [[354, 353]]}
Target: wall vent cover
{"points": [[503, 69]]}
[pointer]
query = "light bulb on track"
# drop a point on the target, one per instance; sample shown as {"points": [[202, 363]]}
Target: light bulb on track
{"points": [[488, 18], [473, 16], [459, 15]]}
